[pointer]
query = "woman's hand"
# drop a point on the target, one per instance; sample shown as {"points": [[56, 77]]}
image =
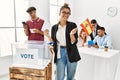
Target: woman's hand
{"points": [[72, 37], [46, 33], [73, 31]]}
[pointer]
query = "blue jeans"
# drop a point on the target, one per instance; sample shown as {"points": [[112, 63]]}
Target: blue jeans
{"points": [[64, 63]]}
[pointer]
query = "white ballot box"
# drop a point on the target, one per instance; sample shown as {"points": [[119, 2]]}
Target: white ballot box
{"points": [[31, 61], [31, 53]]}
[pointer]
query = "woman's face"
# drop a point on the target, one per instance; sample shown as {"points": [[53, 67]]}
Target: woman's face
{"points": [[83, 34], [64, 14]]}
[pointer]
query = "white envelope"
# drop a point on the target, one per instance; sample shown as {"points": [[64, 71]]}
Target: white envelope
{"points": [[32, 30]]}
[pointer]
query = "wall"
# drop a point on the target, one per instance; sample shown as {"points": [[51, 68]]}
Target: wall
{"points": [[5, 63], [42, 7], [43, 12], [82, 9], [97, 9]]}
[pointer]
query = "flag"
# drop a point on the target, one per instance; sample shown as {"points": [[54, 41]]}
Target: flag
{"points": [[86, 26]]}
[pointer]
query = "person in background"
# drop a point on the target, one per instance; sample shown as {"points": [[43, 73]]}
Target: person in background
{"points": [[64, 35], [34, 27], [102, 39], [95, 27], [83, 38]]}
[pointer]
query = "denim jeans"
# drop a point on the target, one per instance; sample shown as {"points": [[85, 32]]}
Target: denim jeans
{"points": [[64, 63]]}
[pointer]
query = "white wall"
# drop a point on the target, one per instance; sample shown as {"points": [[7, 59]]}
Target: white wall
{"points": [[42, 7], [43, 12], [97, 9], [5, 63], [82, 9]]}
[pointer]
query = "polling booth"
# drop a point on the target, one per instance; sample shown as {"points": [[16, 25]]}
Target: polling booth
{"points": [[31, 61]]}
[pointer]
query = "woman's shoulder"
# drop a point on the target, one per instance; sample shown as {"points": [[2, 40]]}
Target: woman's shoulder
{"points": [[54, 26], [69, 22], [72, 24]]}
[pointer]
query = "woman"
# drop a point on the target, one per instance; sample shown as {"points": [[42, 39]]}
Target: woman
{"points": [[64, 35], [83, 38]]}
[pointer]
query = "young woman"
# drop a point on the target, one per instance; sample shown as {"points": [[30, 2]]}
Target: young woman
{"points": [[83, 38], [64, 35]]}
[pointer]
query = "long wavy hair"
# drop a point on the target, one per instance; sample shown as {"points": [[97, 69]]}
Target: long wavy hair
{"points": [[80, 35]]}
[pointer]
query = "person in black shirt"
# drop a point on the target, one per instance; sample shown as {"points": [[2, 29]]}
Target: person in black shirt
{"points": [[95, 27]]}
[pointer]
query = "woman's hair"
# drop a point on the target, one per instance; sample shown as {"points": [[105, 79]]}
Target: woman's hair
{"points": [[65, 6], [80, 35]]}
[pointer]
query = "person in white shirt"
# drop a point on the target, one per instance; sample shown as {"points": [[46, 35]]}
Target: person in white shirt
{"points": [[103, 40], [83, 38], [65, 37]]}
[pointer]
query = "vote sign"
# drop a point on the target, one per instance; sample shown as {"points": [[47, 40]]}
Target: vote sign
{"points": [[26, 56]]}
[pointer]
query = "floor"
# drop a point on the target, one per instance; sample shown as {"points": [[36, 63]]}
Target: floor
{"points": [[5, 77]]}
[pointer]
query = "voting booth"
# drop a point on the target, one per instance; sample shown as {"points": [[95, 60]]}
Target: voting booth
{"points": [[31, 61]]}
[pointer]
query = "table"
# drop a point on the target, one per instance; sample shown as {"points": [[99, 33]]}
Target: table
{"points": [[96, 64]]}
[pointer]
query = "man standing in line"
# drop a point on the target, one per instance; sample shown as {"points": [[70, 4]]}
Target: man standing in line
{"points": [[34, 27]]}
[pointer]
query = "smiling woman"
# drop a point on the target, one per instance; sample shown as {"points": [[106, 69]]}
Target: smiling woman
{"points": [[66, 52]]}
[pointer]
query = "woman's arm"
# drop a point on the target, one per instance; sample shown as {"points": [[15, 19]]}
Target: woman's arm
{"points": [[73, 36], [46, 33]]}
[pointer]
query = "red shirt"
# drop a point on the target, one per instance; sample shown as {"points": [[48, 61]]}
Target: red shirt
{"points": [[38, 23]]}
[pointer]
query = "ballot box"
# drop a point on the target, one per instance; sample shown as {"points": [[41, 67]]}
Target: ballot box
{"points": [[31, 61]]}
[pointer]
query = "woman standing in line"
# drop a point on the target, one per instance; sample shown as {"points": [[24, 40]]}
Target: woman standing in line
{"points": [[64, 35]]}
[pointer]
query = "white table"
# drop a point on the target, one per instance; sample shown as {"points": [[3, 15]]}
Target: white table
{"points": [[96, 64]]}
